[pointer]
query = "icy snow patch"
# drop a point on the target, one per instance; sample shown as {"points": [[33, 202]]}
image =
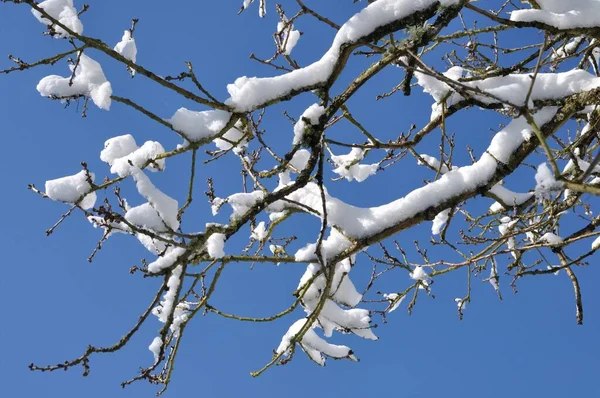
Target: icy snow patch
{"points": [[562, 14], [70, 189], [89, 81], [64, 12], [126, 47]]}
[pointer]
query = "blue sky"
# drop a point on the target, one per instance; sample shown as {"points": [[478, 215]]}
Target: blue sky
{"points": [[56, 302]]}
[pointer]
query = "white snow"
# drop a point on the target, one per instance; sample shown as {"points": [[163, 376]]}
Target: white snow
{"points": [[126, 165], [155, 347], [64, 12], [217, 203], [513, 88], [146, 217], [314, 346], [545, 182], [300, 159], [419, 274], [508, 197], [596, 243], [436, 88], [197, 126], [126, 47], [289, 37], [460, 303], [180, 316], [439, 221], [562, 14], [233, 138], [166, 261], [344, 291], [312, 113], [166, 206], [277, 215], [262, 8], [358, 172], [70, 189], [332, 316], [242, 202], [276, 249], [582, 164], [333, 244], [496, 207], [505, 195], [126, 159], [100, 222], [551, 239], [215, 245], [596, 52], [251, 93], [284, 179], [568, 49], [551, 267], [432, 162], [259, 232], [153, 245], [118, 147], [181, 312], [395, 300], [89, 81], [348, 165], [493, 279], [506, 226], [166, 305], [204, 125]]}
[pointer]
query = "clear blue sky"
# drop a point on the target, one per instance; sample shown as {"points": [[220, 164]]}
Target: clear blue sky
{"points": [[55, 303]]}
